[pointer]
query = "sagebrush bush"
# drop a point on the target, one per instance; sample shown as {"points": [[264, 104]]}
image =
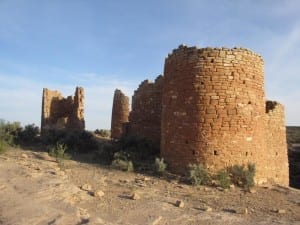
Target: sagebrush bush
{"points": [[75, 141], [3, 146], [223, 178], [59, 152], [105, 153], [243, 177], [198, 174], [9, 134], [159, 166], [139, 148], [121, 161], [123, 165], [29, 133], [250, 174]]}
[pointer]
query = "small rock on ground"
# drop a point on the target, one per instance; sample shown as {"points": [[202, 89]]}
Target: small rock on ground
{"points": [[241, 211], [135, 196], [98, 194], [86, 187], [279, 211], [179, 204], [207, 209], [252, 190], [24, 156], [4, 158]]}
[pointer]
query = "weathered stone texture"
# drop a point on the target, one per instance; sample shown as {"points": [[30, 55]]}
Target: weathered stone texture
{"points": [[120, 113], [62, 113], [213, 112], [209, 108], [145, 116], [276, 142]]}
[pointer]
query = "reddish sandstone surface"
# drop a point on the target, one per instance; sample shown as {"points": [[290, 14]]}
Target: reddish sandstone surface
{"points": [[120, 113], [209, 107], [62, 113]]}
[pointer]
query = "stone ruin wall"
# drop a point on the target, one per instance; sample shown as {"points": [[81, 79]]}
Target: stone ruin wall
{"points": [[210, 108], [145, 116], [276, 141], [62, 113], [214, 112], [120, 113]]}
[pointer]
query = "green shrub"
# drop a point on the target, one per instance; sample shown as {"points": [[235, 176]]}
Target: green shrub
{"points": [[12, 131], [121, 161], [140, 148], [3, 146], [198, 174], [123, 165], [243, 177], [52, 136], [139, 151], [250, 174], [75, 141], [29, 133], [12, 134], [105, 153], [237, 174], [9, 133], [59, 152], [223, 178], [160, 166]]}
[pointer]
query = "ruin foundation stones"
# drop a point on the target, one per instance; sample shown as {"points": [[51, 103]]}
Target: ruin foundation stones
{"points": [[62, 113], [209, 107]]}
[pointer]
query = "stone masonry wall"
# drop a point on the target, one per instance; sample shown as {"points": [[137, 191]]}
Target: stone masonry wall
{"points": [[276, 142], [62, 113], [120, 113], [213, 111], [145, 116]]}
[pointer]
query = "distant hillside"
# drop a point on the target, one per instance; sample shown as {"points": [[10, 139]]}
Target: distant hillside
{"points": [[293, 134]]}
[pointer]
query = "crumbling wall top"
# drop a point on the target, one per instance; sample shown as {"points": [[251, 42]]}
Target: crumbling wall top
{"points": [[62, 113], [208, 50]]}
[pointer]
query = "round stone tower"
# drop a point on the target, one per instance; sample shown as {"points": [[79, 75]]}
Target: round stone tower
{"points": [[120, 114], [213, 109]]}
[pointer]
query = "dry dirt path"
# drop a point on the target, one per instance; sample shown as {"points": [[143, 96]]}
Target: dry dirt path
{"points": [[35, 190]]}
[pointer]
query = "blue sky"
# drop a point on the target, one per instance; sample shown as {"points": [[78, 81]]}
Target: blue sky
{"points": [[103, 45]]}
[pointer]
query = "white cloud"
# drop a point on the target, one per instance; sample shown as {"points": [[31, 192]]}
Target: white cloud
{"points": [[21, 98]]}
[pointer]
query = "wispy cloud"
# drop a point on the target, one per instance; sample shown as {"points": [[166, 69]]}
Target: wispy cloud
{"points": [[21, 97]]}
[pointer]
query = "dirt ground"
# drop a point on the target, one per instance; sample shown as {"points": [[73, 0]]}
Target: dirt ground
{"points": [[35, 190]]}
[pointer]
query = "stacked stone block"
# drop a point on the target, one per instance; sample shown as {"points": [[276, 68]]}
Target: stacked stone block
{"points": [[145, 116], [276, 142], [210, 108], [213, 112], [120, 113], [62, 113]]}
